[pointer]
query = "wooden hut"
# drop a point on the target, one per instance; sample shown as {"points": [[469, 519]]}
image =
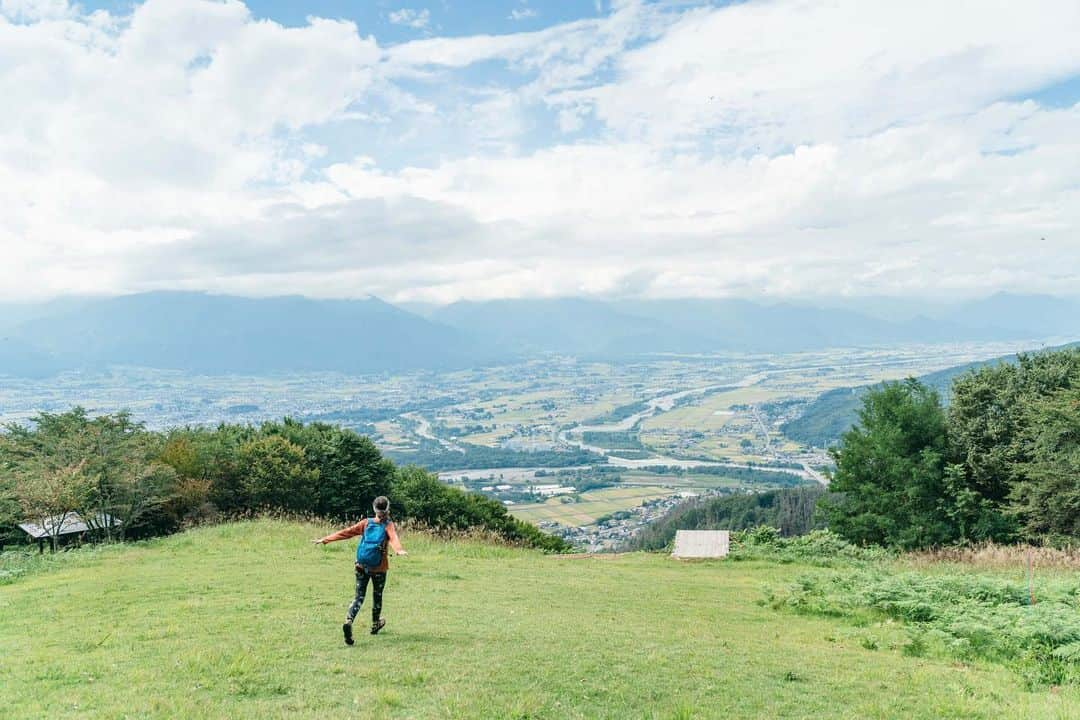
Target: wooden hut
{"points": [[66, 528]]}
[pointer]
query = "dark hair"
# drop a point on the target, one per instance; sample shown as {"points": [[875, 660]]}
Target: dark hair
{"points": [[382, 505]]}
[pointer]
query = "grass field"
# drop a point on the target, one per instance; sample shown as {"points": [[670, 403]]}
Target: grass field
{"points": [[243, 621], [593, 504]]}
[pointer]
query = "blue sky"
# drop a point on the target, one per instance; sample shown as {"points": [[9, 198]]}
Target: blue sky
{"points": [[446, 150], [444, 18]]}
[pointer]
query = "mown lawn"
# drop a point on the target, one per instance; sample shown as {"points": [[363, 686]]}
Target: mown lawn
{"points": [[243, 621]]}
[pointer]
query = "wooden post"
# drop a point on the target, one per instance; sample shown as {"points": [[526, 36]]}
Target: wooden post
{"points": [[41, 546]]}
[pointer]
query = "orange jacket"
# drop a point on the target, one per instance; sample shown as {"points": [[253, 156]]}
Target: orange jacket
{"points": [[358, 530]]}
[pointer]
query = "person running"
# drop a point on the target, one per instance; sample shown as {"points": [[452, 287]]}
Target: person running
{"points": [[372, 562]]}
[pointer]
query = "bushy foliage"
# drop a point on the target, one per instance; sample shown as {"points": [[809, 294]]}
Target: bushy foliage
{"points": [[1003, 463], [103, 468], [419, 495], [1001, 456], [964, 615], [156, 483], [819, 547], [890, 471], [1046, 495]]}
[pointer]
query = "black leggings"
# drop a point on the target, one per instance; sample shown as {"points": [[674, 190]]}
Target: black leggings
{"points": [[378, 582]]}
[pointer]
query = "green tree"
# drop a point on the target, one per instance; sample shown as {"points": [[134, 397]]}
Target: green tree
{"points": [[890, 468], [276, 474], [989, 437], [102, 467], [1047, 496], [205, 457], [419, 495], [352, 471], [45, 470]]}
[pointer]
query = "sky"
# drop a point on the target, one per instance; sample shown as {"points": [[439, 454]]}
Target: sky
{"points": [[477, 149]]}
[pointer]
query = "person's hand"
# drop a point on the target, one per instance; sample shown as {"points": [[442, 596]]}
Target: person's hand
{"points": [[318, 541], [403, 552]]}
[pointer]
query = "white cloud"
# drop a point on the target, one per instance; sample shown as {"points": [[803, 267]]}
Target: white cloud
{"points": [[418, 19], [780, 147], [522, 13], [36, 10]]}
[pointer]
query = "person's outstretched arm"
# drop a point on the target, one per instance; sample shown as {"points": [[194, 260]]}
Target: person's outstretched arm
{"points": [[391, 532], [349, 532]]}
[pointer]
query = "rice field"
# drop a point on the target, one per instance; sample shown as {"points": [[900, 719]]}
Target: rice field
{"points": [[592, 505]]}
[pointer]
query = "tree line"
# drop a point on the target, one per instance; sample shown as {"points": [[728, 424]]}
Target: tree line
{"points": [[1001, 463], [792, 511], [155, 483]]}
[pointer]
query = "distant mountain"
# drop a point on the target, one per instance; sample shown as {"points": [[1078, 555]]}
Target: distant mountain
{"points": [[14, 314], [21, 360], [1006, 314], [708, 325], [221, 334], [634, 327], [1000, 316], [834, 412], [563, 325]]}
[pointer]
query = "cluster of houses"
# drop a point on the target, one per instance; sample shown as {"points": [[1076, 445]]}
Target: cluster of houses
{"points": [[613, 532]]}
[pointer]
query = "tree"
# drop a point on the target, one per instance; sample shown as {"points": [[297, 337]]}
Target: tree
{"points": [[419, 495], [276, 474], [1047, 496], [210, 458], [102, 467], [990, 419], [890, 470], [46, 475], [352, 471]]}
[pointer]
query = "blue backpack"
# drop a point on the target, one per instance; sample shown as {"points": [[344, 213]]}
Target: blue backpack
{"points": [[369, 553]]}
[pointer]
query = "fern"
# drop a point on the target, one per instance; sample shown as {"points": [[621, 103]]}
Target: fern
{"points": [[1069, 653]]}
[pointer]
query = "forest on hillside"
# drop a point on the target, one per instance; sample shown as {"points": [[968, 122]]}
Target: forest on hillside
{"points": [[155, 483], [791, 510], [999, 463], [834, 412]]}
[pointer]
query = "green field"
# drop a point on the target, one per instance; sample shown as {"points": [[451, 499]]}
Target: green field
{"points": [[593, 504], [243, 621]]}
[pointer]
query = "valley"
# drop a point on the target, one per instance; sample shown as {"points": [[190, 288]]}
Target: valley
{"points": [[586, 449]]}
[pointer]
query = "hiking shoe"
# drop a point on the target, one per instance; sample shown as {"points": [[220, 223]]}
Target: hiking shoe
{"points": [[346, 629], [377, 626]]}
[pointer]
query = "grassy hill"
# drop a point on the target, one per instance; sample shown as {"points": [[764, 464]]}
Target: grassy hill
{"points": [[243, 621]]}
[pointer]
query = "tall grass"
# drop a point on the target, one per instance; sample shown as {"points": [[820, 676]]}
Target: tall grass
{"points": [[999, 557], [964, 615]]}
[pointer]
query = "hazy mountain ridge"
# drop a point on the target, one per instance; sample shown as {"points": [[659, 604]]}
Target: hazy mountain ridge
{"points": [[220, 334]]}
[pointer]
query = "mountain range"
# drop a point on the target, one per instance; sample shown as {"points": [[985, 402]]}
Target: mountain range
{"points": [[215, 334]]}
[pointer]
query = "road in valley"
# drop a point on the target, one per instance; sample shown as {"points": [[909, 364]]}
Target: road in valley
{"points": [[423, 429], [664, 403]]}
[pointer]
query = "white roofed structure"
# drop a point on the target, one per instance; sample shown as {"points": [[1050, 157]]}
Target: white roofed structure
{"points": [[701, 543], [69, 523]]}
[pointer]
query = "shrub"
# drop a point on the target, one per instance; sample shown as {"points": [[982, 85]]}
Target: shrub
{"points": [[962, 615], [819, 547]]}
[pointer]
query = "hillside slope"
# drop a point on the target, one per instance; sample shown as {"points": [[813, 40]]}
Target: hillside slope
{"points": [[834, 412], [243, 621]]}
